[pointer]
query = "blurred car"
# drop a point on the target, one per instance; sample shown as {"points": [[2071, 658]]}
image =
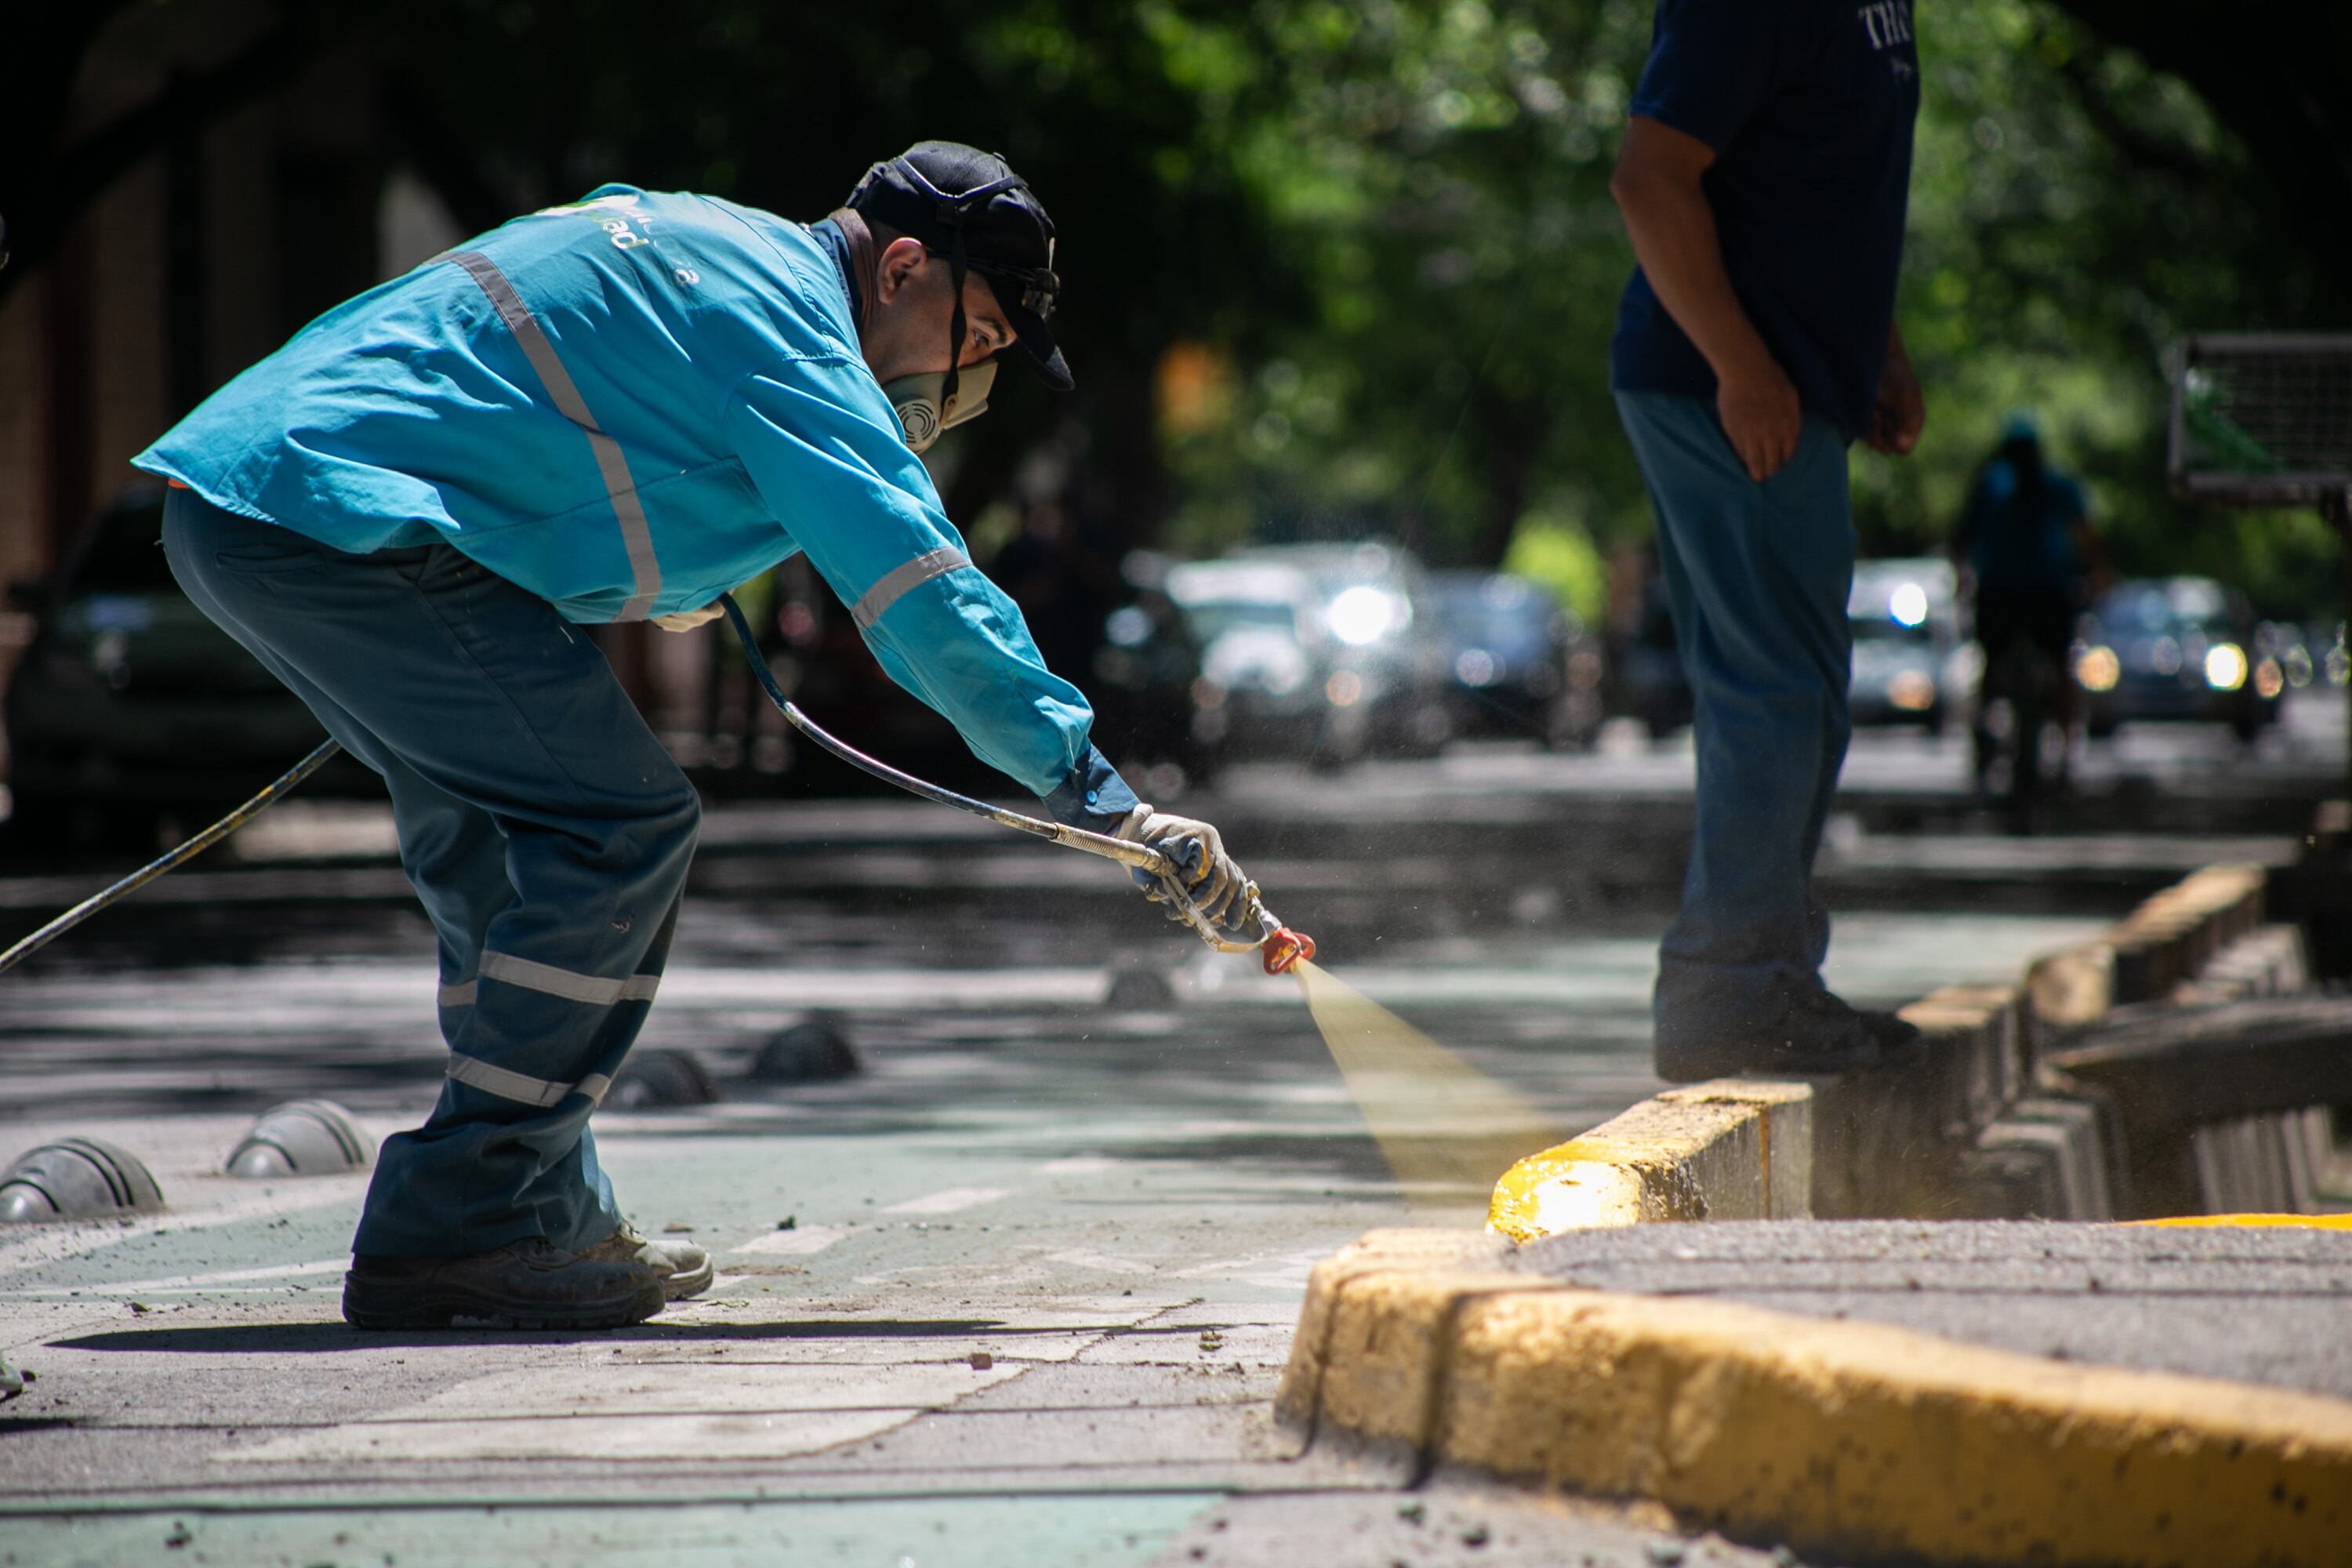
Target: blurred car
{"points": [[1384, 653], [1146, 675], [1906, 625], [1268, 683], [130, 704], [1519, 663], [2179, 649]]}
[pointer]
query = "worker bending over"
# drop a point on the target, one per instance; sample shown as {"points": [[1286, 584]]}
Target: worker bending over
{"points": [[613, 411]]}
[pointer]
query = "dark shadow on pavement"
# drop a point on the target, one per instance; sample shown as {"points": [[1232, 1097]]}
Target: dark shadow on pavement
{"points": [[301, 1339]]}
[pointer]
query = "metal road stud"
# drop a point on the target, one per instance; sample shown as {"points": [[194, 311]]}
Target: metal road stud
{"points": [[302, 1138], [76, 1178]]}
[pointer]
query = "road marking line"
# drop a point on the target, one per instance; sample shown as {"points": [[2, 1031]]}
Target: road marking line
{"points": [[798, 1243], [955, 1200], [1079, 1165], [191, 1283], [56, 1244]]}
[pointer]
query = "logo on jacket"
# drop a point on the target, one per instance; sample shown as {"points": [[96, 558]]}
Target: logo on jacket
{"points": [[617, 214]]}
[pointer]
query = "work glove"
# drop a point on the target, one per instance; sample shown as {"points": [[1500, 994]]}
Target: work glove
{"points": [[1208, 876], [687, 620]]}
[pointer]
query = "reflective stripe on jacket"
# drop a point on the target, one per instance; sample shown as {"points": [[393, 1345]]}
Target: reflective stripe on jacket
{"points": [[628, 405]]}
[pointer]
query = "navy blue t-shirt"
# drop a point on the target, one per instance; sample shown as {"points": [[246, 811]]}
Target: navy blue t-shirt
{"points": [[1809, 107]]}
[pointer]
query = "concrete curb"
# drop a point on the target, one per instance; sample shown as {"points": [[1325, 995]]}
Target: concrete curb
{"points": [[1977, 1131], [1836, 1437], [1842, 1436], [1732, 1149]]}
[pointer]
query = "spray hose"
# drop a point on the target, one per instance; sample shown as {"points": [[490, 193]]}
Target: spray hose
{"points": [[1278, 947], [270, 794]]}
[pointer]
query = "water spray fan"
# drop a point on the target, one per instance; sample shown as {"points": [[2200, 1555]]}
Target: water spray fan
{"points": [[1279, 948]]}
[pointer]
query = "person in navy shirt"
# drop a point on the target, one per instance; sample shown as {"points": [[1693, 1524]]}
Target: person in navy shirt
{"points": [[1763, 181]]}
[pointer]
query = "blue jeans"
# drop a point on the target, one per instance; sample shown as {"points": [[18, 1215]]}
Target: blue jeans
{"points": [[543, 825], [1758, 576]]}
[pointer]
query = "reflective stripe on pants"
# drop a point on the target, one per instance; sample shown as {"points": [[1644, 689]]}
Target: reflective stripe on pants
{"points": [[521, 1088]]}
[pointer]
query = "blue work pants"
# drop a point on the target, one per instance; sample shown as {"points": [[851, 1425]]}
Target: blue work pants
{"points": [[1758, 576], [543, 827]]}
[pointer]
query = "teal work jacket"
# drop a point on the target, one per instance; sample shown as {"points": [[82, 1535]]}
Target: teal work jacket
{"points": [[629, 405]]}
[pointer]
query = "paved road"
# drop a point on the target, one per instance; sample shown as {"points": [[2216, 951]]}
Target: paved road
{"points": [[1115, 1209], [1042, 1256]]}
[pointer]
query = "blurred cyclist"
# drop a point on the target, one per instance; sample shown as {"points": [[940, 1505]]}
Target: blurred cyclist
{"points": [[2028, 554]]}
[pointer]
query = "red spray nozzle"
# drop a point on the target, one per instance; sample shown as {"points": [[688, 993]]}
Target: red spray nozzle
{"points": [[1285, 948]]}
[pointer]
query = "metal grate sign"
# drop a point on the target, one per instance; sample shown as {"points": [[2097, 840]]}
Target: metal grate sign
{"points": [[2262, 419]]}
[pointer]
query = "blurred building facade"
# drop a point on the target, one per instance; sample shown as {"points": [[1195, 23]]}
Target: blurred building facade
{"points": [[198, 259]]}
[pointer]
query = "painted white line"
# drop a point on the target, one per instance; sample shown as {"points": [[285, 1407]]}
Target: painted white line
{"points": [[1079, 1165], [955, 1200], [618, 1438], [56, 1243], [798, 1243], [191, 1283], [710, 1411], [1102, 1262]]}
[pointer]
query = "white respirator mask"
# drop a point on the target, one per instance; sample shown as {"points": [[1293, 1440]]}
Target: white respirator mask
{"points": [[925, 407]]}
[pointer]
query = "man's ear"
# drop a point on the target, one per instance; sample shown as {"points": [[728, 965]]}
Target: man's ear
{"points": [[901, 259]]}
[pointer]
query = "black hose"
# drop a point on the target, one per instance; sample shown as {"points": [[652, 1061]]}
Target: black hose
{"points": [[82, 911]]}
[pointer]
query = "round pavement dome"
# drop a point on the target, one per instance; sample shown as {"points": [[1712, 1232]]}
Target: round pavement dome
{"points": [[302, 1138], [813, 1050], [76, 1178], [660, 1076]]}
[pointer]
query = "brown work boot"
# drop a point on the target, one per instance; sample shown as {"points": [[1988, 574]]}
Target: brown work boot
{"points": [[684, 1268], [531, 1285]]}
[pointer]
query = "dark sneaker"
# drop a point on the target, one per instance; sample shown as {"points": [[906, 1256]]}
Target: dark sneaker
{"points": [[1805, 1041], [1891, 1032], [529, 1285], [684, 1268]]}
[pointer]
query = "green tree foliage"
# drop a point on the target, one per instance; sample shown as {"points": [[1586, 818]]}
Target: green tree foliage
{"points": [[2073, 213], [1342, 268], [1435, 176]]}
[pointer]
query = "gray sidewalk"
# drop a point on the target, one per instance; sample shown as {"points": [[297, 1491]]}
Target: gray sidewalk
{"points": [[2252, 1304]]}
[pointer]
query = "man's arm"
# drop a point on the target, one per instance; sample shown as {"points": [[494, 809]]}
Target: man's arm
{"points": [[1658, 189], [1901, 411], [858, 502]]}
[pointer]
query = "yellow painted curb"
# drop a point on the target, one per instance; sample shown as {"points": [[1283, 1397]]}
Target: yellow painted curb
{"points": [[1836, 1437], [1731, 1149], [2307, 1221]]}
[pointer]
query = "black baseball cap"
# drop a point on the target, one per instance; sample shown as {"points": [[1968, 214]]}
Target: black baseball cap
{"points": [[969, 205]]}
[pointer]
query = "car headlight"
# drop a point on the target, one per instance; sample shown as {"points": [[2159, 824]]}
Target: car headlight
{"points": [[110, 657], [2098, 668], [1363, 615], [2225, 667], [1912, 691]]}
